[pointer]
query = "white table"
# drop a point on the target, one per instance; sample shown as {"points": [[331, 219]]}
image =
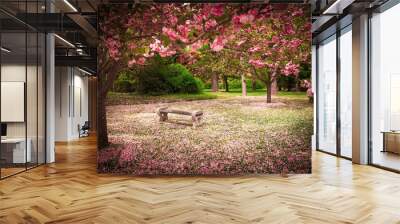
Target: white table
{"points": [[19, 154]]}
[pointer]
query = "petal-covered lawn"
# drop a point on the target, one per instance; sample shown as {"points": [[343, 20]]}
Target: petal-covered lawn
{"points": [[237, 136]]}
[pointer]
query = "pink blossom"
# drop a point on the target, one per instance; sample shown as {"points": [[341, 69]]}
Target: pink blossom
{"points": [[254, 49], [173, 20], [172, 35], [288, 29], [210, 24], [131, 63], [295, 43], [132, 46], [195, 46], [166, 52], [113, 46], [239, 43], [236, 20], [217, 10], [246, 18], [298, 12], [141, 61], [218, 44], [183, 31], [275, 39], [310, 92], [253, 12], [127, 155], [257, 63], [161, 49], [291, 69]]}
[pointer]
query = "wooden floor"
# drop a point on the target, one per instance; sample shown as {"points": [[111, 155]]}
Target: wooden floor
{"points": [[70, 191]]}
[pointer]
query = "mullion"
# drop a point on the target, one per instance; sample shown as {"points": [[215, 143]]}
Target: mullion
{"points": [[0, 90], [37, 90], [26, 86], [338, 94]]}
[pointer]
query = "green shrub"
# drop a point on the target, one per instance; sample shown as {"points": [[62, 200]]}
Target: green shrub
{"points": [[160, 79], [150, 81], [180, 79], [124, 83], [200, 84], [259, 84], [207, 85]]}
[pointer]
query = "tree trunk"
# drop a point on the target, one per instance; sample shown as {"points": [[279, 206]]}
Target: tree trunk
{"points": [[105, 80], [297, 84], [214, 83], [253, 85], [102, 133], [274, 87], [269, 91], [244, 86], [226, 84]]}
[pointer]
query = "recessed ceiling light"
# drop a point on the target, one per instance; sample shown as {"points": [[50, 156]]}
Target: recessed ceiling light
{"points": [[84, 71], [70, 5], [64, 40], [5, 50]]}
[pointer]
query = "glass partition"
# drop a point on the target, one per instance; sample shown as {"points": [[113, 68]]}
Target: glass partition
{"points": [[14, 153], [327, 95], [385, 89], [22, 88], [346, 92]]}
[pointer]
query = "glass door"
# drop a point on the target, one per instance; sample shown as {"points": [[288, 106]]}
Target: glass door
{"points": [[326, 101]]}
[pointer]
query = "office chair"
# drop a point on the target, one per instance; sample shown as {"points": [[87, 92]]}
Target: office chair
{"points": [[84, 130]]}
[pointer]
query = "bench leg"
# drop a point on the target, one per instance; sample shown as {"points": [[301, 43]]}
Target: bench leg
{"points": [[196, 121], [163, 116]]}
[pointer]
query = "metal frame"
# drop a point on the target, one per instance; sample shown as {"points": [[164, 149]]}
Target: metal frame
{"points": [[337, 34], [338, 98]]}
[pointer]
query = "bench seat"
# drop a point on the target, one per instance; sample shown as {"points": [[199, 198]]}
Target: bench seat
{"points": [[163, 112]]}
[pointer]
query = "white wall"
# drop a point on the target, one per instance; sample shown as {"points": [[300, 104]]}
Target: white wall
{"points": [[71, 102], [33, 126]]}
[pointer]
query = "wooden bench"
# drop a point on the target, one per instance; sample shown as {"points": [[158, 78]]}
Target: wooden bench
{"points": [[163, 112]]}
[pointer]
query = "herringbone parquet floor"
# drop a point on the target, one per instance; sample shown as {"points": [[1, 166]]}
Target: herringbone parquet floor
{"points": [[70, 191]]}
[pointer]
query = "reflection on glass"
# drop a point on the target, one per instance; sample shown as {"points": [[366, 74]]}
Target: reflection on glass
{"points": [[15, 151], [41, 99], [327, 95], [346, 92], [22, 90], [31, 100], [385, 83]]}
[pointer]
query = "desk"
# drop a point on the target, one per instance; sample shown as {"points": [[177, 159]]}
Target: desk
{"points": [[13, 150], [391, 141]]}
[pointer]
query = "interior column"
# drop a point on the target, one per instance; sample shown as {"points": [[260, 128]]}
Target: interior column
{"points": [[360, 90]]}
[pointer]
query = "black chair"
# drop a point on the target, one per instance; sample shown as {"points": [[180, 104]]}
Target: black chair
{"points": [[84, 130]]}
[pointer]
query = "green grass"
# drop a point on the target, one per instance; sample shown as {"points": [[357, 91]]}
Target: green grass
{"points": [[236, 92], [115, 98], [242, 135]]}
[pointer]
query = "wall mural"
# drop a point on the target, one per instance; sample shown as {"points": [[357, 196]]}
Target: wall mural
{"points": [[204, 89]]}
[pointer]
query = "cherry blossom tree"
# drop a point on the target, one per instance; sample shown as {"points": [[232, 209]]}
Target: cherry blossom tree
{"points": [[131, 34], [274, 43]]}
